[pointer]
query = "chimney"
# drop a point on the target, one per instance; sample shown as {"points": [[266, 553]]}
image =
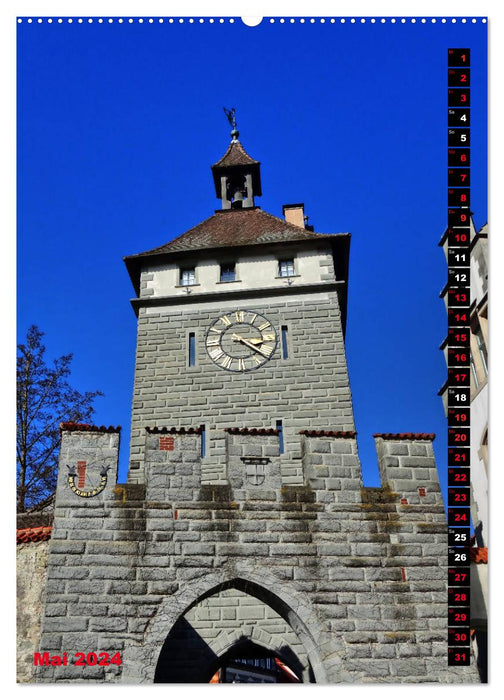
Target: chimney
{"points": [[294, 214]]}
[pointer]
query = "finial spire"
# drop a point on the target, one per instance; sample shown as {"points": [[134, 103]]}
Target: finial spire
{"points": [[230, 114]]}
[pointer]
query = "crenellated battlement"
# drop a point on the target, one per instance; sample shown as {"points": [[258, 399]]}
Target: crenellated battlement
{"points": [[253, 465], [407, 466], [361, 563]]}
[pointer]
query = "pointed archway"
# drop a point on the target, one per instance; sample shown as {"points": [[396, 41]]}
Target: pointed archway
{"points": [[237, 618]]}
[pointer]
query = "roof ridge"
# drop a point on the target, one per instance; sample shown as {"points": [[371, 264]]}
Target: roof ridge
{"points": [[241, 158], [160, 248], [309, 234], [236, 227]]}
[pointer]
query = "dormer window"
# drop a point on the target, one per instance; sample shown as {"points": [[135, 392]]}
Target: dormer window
{"points": [[228, 272], [286, 268], [187, 276]]}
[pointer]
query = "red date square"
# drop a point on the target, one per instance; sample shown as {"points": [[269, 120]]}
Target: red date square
{"points": [[459, 297], [460, 197], [459, 57], [458, 497], [459, 416], [459, 577], [458, 338], [459, 637], [458, 476], [458, 617], [459, 97], [459, 217], [459, 657], [459, 157], [459, 516], [459, 457], [460, 77], [458, 317], [459, 596], [459, 177], [459, 236]]}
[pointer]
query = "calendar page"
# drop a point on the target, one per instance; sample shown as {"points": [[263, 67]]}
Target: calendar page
{"points": [[253, 348]]}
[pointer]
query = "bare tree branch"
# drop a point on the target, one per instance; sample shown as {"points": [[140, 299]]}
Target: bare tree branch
{"points": [[44, 400]]}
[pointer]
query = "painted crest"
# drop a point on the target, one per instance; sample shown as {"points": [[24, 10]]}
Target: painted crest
{"points": [[255, 474], [85, 482]]}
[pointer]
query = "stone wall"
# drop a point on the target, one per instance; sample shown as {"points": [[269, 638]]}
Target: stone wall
{"points": [[31, 574], [308, 389]]}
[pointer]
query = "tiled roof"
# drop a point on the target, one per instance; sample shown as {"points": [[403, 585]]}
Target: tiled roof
{"points": [[329, 433], [237, 227], [235, 155], [179, 431], [89, 428], [251, 431], [479, 555], [33, 534], [405, 436]]}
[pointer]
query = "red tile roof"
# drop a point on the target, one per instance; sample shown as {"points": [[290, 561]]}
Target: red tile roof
{"points": [[33, 534], [180, 431], [237, 227], [479, 555], [329, 433], [406, 436], [251, 431], [235, 155], [89, 428]]}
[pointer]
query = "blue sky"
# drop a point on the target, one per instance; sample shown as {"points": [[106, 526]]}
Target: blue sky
{"points": [[118, 125]]}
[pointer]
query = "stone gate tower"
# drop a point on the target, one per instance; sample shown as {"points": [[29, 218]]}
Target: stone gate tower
{"points": [[244, 529]]}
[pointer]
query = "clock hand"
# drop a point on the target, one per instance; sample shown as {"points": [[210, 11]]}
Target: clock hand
{"points": [[235, 336]]}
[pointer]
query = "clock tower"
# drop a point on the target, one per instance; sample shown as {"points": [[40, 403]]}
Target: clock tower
{"points": [[244, 546], [241, 325]]}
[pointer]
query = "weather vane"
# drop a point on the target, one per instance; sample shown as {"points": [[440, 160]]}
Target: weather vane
{"points": [[231, 117]]}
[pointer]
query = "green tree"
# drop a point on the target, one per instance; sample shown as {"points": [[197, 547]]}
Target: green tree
{"points": [[44, 400]]}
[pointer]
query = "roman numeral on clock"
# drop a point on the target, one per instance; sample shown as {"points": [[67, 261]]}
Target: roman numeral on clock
{"points": [[216, 353], [226, 362]]}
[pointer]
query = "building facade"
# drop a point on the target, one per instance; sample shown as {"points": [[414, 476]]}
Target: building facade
{"points": [[244, 533], [479, 433]]}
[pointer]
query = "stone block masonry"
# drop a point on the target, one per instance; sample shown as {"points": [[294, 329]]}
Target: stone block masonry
{"points": [[345, 584], [31, 565], [169, 392]]}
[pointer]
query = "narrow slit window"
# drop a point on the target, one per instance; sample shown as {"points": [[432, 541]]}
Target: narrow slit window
{"points": [[285, 342], [279, 427], [192, 350]]}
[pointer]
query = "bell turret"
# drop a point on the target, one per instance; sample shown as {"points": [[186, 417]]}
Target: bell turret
{"points": [[237, 176]]}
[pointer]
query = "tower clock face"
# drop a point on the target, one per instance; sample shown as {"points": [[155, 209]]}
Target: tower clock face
{"points": [[241, 341]]}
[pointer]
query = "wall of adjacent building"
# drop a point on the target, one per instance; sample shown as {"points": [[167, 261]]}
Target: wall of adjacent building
{"points": [[31, 577]]}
